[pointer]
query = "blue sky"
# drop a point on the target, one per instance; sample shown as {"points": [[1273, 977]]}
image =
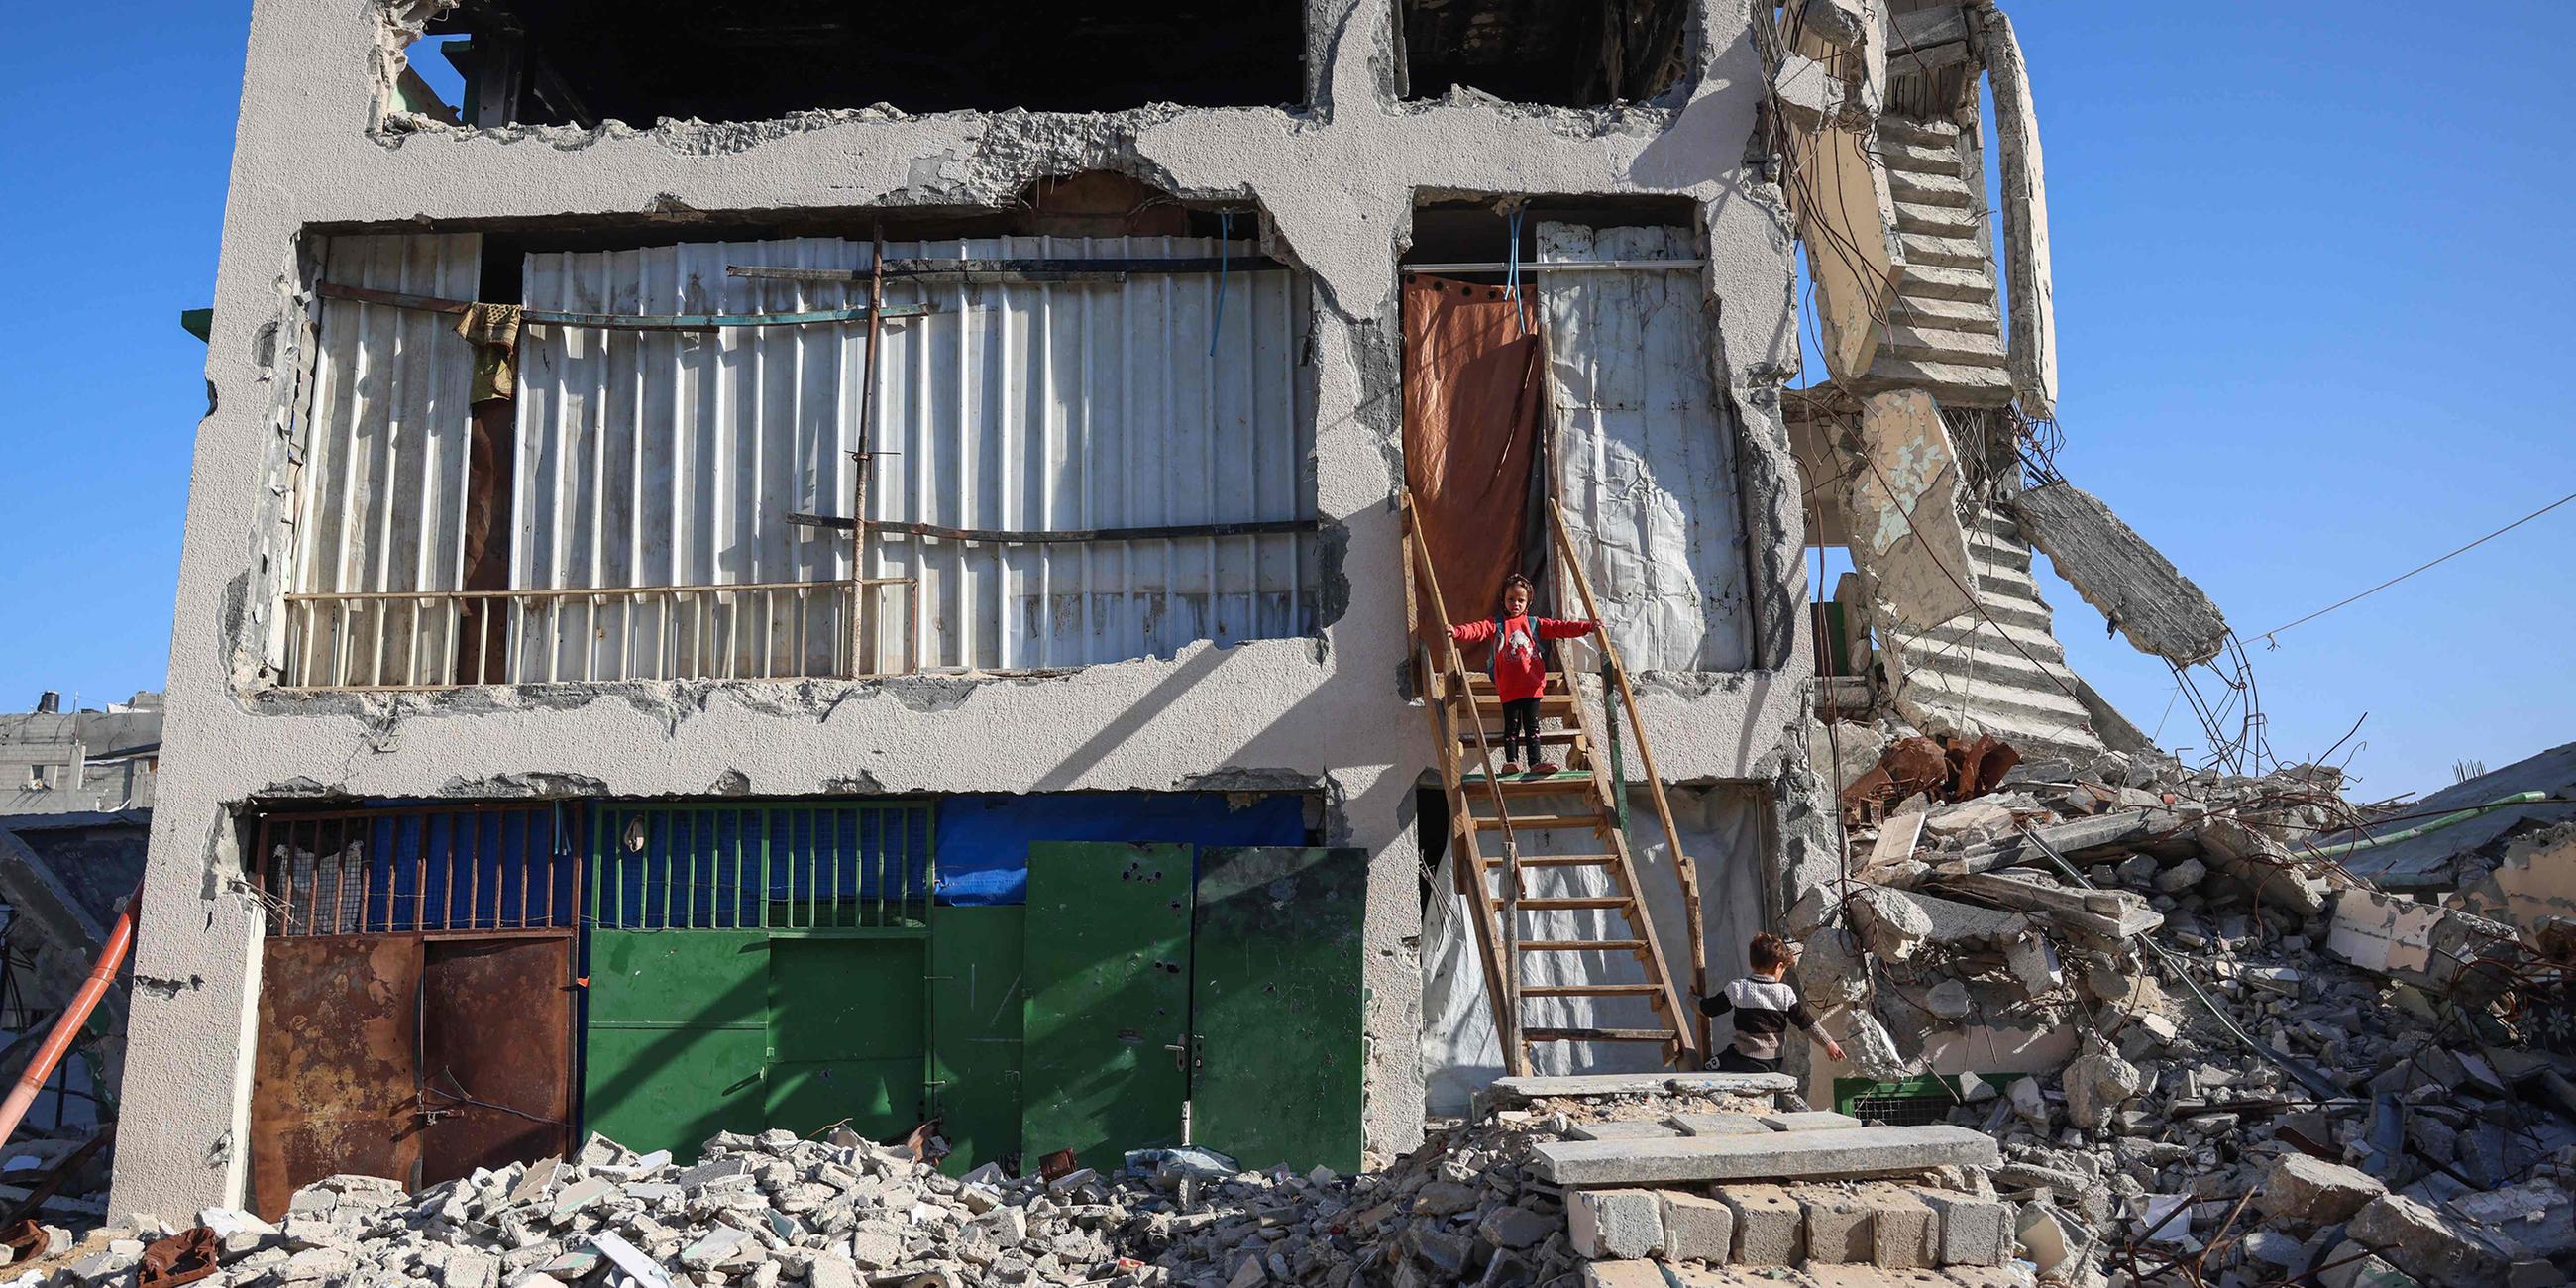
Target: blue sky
{"points": [[2309, 294]]}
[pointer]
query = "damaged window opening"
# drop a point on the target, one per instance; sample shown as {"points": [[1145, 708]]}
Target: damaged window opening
{"points": [[1562, 53], [581, 62], [641, 463]]}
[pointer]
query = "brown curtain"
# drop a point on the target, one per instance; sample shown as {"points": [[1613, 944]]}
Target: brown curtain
{"points": [[1475, 371]]}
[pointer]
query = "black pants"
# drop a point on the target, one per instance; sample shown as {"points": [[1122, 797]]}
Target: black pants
{"points": [[1731, 1060], [1520, 716]]}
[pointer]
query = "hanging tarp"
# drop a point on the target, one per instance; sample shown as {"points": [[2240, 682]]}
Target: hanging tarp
{"points": [[1473, 362], [984, 840], [1644, 452], [381, 491], [1721, 830]]}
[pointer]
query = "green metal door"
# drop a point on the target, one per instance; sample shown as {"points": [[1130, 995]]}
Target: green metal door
{"points": [[847, 1028], [1107, 1014], [678, 1033], [975, 1032], [1276, 1009]]}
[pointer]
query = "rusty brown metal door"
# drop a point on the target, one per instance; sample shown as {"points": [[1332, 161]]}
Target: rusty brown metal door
{"points": [[496, 1053], [339, 1044]]}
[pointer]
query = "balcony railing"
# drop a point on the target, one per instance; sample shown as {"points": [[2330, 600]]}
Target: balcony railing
{"points": [[419, 640]]}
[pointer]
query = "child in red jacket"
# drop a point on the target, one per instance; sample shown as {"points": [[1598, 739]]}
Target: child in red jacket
{"points": [[1519, 669]]}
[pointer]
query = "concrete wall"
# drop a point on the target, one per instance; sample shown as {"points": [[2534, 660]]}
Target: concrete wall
{"points": [[1337, 179]]}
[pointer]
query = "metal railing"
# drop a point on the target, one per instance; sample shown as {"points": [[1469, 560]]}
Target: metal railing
{"points": [[474, 868], [823, 865], [412, 640]]}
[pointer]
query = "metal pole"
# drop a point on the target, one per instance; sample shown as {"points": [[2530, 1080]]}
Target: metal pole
{"points": [[862, 604]]}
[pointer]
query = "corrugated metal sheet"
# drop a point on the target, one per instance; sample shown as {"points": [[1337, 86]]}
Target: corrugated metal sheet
{"points": [[1644, 455], [382, 485], [666, 458]]}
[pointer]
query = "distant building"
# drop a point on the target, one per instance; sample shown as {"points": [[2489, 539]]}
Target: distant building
{"points": [[58, 762]]}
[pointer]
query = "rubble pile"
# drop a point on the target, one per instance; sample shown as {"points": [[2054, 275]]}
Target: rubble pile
{"points": [[2258, 1067], [761, 1210]]}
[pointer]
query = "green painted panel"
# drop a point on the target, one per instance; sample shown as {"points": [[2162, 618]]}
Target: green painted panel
{"points": [[1276, 1012], [975, 1032], [1107, 1016], [676, 1037], [847, 1035]]}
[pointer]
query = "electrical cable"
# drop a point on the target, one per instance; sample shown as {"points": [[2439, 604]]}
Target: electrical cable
{"points": [[2267, 635]]}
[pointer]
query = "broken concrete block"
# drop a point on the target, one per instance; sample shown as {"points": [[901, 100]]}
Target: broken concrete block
{"points": [[1770, 1227], [2314, 1192], [2049, 1238], [1696, 1228], [1841, 24], [1831, 970], [1806, 92], [1949, 1000], [1905, 1232], [1515, 1226], [1904, 511], [2538, 1216], [2034, 962], [2428, 1243], [1889, 925], [1607, 1224], [1975, 1230], [1838, 1224]]}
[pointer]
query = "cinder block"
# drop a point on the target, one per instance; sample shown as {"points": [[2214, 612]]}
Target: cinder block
{"points": [[1770, 1227], [1696, 1227], [1974, 1231], [1905, 1233], [1622, 1274], [1839, 1225], [1609, 1224]]}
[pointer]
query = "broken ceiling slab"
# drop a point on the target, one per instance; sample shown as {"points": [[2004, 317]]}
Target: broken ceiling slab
{"points": [[2423, 944], [2133, 585], [2430, 861], [2109, 914], [1784, 1155], [2033, 356], [1904, 509]]}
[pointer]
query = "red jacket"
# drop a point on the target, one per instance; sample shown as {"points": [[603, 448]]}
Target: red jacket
{"points": [[1519, 670]]}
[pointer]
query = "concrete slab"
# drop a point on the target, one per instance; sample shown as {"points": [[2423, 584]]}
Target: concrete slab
{"points": [[1874, 1277], [1807, 1120], [1798, 1155], [1719, 1124], [1637, 1130], [2005, 1276], [1642, 1084]]}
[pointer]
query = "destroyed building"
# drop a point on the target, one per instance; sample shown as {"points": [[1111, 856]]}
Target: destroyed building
{"points": [[762, 573]]}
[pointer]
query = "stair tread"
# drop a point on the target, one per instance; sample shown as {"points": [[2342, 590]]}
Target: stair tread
{"points": [[1979, 316], [1599, 1035], [1543, 822], [1928, 248], [1570, 903], [1943, 221], [1581, 945], [1559, 860], [1943, 344], [1935, 281], [1591, 990]]}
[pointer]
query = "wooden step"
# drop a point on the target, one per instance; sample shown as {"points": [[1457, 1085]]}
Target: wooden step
{"points": [[1546, 737], [1599, 1035], [1591, 990], [1540, 822], [1557, 784], [1553, 706], [1570, 904], [1479, 682], [1560, 861], [1583, 945]]}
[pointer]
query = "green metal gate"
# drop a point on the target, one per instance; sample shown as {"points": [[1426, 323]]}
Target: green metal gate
{"points": [[757, 966], [1108, 999], [1275, 1006]]}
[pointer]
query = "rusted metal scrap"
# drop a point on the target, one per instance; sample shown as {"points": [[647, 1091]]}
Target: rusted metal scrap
{"points": [[182, 1258], [1943, 769]]}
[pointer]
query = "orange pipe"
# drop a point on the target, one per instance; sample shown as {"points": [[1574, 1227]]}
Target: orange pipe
{"points": [[67, 1027]]}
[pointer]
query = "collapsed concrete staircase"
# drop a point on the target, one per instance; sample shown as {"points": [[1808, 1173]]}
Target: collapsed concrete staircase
{"points": [[1945, 333], [1999, 671]]}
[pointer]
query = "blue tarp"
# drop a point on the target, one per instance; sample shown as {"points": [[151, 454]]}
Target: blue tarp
{"points": [[984, 840]]}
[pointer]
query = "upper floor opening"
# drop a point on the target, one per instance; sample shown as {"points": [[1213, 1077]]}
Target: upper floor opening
{"points": [[581, 62], [1562, 53], [1075, 433]]}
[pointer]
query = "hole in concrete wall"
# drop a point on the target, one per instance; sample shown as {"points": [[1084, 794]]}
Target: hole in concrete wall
{"points": [[579, 62], [1568, 53], [1478, 230]]}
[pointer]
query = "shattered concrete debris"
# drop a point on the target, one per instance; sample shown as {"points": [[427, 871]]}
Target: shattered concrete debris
{"points": [[2247, 1063]]}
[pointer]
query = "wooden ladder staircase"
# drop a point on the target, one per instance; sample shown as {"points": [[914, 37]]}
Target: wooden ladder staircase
{"points": [[1490, 815]]}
